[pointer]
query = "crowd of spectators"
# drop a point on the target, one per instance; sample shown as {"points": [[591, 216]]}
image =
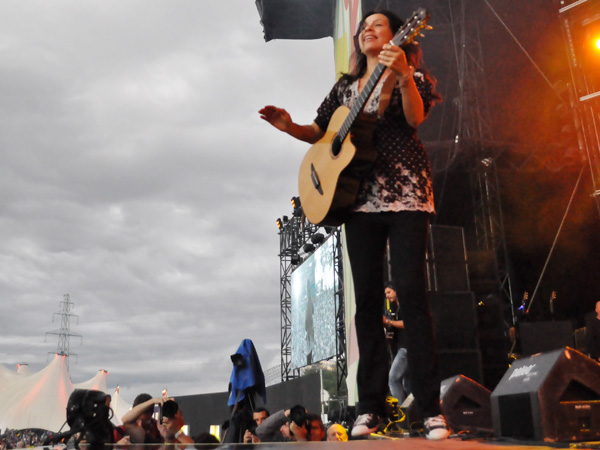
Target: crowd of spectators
{"points": [[292, 425], [22, 438], [160, 420]]}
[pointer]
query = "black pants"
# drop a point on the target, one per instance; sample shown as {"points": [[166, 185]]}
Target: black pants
{"points": [[366, 236]]}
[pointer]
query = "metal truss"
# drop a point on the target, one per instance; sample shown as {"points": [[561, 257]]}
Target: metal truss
{"points": [[584, 89], [473, 136], [291, 240], [294, 233], [340, 311]]}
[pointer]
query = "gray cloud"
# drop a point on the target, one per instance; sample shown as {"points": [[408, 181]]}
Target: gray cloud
{"points": [[137, 176]]}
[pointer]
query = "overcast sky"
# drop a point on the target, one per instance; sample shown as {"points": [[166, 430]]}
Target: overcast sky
{"points": [[137, 176]]}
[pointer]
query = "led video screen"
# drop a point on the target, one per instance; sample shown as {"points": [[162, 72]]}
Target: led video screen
{"points": [[313, 286]]}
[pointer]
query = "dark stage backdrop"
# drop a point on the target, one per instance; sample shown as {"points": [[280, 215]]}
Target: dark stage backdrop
{"points": [[536, 174], [203, 410]]}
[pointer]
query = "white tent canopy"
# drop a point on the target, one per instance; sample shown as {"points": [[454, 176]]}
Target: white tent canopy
{"points": [[23, 369], [119, 407], [97, 383], [40, 400]]}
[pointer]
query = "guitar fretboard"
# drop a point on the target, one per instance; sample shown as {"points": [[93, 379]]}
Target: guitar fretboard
{"points": [[361, 100]]}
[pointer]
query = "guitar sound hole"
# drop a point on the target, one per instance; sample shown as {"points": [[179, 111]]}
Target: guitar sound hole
{"points": [[336, 146]]}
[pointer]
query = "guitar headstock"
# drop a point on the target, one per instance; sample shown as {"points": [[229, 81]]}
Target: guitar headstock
{"points": [[412, 27]]}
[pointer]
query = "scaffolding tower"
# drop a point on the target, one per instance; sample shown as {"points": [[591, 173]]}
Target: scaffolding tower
{"points": [[473, 139], [295, 235], [580, 22], [294, 232]]}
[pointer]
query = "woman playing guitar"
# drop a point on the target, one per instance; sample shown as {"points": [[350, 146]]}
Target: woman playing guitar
{"points": [[394, 201]]}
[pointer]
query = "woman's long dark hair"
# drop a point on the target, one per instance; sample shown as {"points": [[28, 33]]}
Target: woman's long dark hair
{"points": [[413, 52]]}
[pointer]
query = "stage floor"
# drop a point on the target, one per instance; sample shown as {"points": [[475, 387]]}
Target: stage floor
{"points": [[453, 443]]}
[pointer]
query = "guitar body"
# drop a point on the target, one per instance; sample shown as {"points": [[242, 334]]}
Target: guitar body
{"points": [[330, 173]]}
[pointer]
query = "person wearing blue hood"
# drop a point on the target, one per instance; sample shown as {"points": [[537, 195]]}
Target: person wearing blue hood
{"points": [[247, 381]]}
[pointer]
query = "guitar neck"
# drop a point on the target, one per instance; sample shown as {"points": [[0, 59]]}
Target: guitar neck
{"points": [[361, 101]]}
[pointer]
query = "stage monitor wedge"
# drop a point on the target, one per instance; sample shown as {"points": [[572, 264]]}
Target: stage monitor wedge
{"points": [[552, 396], [466, 404]]}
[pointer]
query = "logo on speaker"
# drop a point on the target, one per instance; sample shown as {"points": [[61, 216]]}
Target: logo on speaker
{"points": [[524, 372]]}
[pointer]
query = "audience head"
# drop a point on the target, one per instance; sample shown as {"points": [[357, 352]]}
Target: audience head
{"points": [[260, 414], [317, 429], [141, 398], [206, 438], [336, 432], [145, 418]]}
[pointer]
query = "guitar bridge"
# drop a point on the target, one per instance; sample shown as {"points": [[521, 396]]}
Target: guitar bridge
{"points": [[315, 179]]}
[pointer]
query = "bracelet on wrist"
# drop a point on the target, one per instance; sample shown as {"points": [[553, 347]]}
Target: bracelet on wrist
{"points": [[404, 83], [406, 79]]}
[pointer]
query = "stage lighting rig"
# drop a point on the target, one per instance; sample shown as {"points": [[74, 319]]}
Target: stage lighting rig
{"points": [[487, 162], [308, 248], [317, 238], [329, 230], [297, 206], [591, 54], [282, 222], [581, 20]]}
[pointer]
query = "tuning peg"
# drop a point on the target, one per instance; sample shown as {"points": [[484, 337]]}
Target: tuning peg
{"points": [[429, 27], [422, 35]]}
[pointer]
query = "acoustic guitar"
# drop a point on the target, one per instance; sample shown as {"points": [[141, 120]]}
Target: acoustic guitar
{"points": [[332, 169]]}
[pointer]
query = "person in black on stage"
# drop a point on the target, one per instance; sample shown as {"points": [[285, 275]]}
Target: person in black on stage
{"points": [[395, 202], [592, 334], [394, 326]]}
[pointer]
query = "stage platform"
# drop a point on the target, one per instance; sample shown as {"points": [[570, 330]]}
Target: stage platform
{"points": [[453, 443]]}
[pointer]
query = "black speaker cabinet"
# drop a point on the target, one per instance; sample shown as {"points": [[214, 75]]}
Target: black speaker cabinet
{"points": [[447, 269], [537, 337], [454, 320], [552, 396], [466, 404], [466, 361]]}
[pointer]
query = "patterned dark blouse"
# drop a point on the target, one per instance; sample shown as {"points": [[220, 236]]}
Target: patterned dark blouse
{"points": [[400, 179]]}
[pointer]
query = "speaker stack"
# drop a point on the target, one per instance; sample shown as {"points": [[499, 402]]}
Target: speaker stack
{"points": [[455, 324], [538, 337], [452, 303], [552, 396]]}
